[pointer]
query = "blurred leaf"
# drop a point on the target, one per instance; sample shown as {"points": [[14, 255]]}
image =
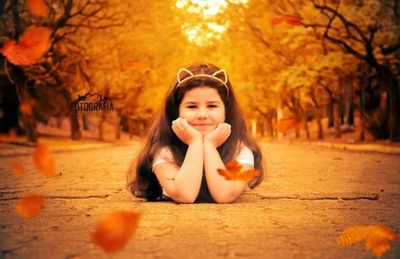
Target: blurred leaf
{"points": [[287, 124], [30, 206], [32, 46], [44, 160], [377, 237], [114, 230], [233, 171], [26, 107], [37, 7]]}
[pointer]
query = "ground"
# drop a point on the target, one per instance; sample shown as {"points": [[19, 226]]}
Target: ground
{"points": [[310, 194]]}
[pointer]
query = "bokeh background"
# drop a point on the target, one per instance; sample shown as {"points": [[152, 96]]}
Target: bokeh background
{"points": [[301, 69]]}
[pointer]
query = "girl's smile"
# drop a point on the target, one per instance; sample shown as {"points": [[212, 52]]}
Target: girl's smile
{"points": [[203, 108]]}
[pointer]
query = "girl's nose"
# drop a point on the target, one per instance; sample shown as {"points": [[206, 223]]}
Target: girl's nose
{"points": [[202, 113]]}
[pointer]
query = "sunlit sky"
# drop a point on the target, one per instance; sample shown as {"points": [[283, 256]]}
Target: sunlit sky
{"points": [[206, 32]]}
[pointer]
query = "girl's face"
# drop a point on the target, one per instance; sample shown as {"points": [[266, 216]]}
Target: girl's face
{"points": [[203, 108]]}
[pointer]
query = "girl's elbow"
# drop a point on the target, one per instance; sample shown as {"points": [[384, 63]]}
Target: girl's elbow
{"points": [[225, 199], [186, 199]]}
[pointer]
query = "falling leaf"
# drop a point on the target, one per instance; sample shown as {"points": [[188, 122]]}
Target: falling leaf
{"points": [[26, 107], [292, 20], [32, 46], [377, 237], [287, 124], [30, 206], [17, 168], [114, 230], [44, 160], [234, 171], [38, 7]]}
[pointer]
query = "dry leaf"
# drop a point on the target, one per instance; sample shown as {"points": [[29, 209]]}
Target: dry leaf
{"points": [[17, 168], [292, 20], [377, 237], [114, 230], [26, 107], [30, 206], [234, 171], [32, 46], [38, 7], [287, 124], [44, 160]]}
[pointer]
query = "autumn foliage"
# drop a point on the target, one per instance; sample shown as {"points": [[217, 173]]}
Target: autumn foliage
{"points": [[32, 46], [38, 7], [376, 237], [114, 230], [234, 171], [30, 206]]}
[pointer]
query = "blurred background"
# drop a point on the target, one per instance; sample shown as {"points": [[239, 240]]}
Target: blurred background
{"points": [[308, 70]]}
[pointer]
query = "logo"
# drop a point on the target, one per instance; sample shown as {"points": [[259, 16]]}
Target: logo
{"points": [[92, 103]]}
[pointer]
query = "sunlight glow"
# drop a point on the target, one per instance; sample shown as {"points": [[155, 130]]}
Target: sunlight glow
{"points": [[205, 33]]}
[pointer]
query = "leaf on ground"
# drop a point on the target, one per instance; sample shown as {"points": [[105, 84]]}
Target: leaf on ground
{"points": [[44, 160], [33, 45], [30, 206], [17, 168], [38, 7], [114, 230], [377, 237], [233, 171]]}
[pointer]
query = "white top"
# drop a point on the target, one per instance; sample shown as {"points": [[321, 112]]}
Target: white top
{"points": [[245, 156]]}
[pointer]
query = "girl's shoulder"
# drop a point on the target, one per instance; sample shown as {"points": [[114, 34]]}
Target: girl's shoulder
{"points": [[244, 155], [163, 155]]}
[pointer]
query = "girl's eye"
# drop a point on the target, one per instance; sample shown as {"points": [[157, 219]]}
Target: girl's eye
{"points": [[191, 106], [213, 106]]}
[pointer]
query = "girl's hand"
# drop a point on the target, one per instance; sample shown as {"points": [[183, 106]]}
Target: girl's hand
{"points": [[186, 133], [219, 135]]}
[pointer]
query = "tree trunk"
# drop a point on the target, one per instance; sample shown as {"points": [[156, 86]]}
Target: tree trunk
{"points": [[85, 121], [330, 112], [336, 115], [75, 130], [28, 120], [320, 129], [118, 126], [306, 128]]}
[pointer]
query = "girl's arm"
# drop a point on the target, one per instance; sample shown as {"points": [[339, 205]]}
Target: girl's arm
{"points": [[182, 184], [222, 190]]}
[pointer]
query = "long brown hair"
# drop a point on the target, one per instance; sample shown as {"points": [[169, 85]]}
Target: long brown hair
{"points": [[142, 182]]}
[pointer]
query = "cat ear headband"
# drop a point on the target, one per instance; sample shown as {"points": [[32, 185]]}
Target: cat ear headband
{"points": [[214, 77]]}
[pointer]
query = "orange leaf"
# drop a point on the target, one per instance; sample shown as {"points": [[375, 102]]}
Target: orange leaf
{"points": [[377, 237], [44, 160], [17, 168], [38, 7], [233, 171], [292, 20], [30, 206], [32, 46], [114, 230], [26, 107], [287, 124]]}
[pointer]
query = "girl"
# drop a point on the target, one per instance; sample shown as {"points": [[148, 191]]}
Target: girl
{"points": [[200, 128]]}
